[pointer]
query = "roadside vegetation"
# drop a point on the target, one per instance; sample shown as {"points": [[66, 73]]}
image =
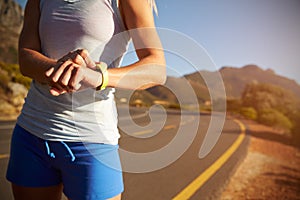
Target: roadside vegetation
{"points": [[13, 89], [269, 105]]}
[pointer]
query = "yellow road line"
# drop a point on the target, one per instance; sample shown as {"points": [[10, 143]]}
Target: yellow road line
{"points": [[2, 156], [195, 185], [143, 132], [169, 127], [151, 130]]}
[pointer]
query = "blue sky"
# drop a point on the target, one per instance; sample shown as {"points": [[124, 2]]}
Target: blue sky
{"points": [[238, 32]]}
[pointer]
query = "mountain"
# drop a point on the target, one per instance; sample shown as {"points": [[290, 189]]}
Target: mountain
{"points": [[235, 79], [11, 20], [185, 88]]}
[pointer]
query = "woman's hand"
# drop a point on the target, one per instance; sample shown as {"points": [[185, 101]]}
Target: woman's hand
{"points": [[80, 57], [72, 72]]}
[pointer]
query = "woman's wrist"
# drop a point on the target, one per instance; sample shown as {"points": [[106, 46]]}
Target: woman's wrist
{"points": [[93, 78]]}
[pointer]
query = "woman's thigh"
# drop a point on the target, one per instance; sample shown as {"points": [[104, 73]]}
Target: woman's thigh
{"points": [[37, 193], [118, 197]]}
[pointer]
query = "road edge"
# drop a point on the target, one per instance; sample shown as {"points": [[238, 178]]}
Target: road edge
{"points": [[192, 188]]}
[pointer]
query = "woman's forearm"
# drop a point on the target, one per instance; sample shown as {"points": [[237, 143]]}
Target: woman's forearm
{"points": [[150, 70], [34, 64], [145, 73]]}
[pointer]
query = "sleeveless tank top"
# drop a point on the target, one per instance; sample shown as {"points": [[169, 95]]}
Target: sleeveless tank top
{"points": [[87, 115]]}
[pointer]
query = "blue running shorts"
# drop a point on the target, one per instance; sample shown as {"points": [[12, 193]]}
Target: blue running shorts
{"points": [[87, 170]]}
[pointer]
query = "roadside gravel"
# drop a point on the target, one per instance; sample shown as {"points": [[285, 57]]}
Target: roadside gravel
{"points": [[271, 170]]}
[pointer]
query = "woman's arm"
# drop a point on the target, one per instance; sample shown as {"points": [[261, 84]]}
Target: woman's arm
{"points": [[150, 70], [32, 63]]}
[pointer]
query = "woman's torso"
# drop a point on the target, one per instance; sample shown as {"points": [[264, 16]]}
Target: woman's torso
{"points": [[87, 115]]}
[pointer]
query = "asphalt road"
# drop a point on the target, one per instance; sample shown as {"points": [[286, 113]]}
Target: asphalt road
{"points": [[161, 180], [5, 135]]}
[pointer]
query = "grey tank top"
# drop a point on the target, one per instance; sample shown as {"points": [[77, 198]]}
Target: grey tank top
{"points": [[87, 115]]}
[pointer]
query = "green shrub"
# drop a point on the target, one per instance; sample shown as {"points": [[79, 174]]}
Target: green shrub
{"points": [[13, 74], [249, 113], [4, 80], [274, 118], [12, 69], [19, 78], [263, 96]]}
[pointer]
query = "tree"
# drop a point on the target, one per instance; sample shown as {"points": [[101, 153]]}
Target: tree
{"points": [[249, 113], [274, 118], [263, 96], [274, 105]]}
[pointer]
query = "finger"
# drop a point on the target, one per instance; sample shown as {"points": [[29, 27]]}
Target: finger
{"points": [[56, 90], [86, 56], [56, 75], [76, 78], [66, 75], [78, 59], [49, 72]]}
